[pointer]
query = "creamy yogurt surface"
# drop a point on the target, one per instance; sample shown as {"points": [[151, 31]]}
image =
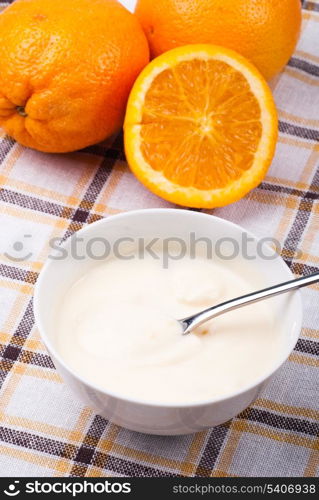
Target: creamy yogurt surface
{"points": [[117, 328]]}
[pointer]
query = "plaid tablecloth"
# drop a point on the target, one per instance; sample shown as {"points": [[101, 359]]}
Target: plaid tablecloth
{"points": [[44, 429]]}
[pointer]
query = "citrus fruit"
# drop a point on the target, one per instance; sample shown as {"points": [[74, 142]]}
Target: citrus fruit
{"points": [[66, 70], [264, 31], [201, 126]]}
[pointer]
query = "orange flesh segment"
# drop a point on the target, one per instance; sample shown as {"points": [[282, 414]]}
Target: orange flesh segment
{"points": [[201, 124]]}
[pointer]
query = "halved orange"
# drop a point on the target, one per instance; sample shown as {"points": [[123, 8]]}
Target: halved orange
{"points": [[200, 127]]}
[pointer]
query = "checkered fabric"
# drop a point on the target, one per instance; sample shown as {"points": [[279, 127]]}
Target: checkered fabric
{"points": [[44, 429]]}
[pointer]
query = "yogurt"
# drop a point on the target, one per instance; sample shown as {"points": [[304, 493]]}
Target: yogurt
{"points": [[117, 328]]}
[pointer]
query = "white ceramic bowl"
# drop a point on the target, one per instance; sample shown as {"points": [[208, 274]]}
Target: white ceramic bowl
{"points": [[57, 276]]}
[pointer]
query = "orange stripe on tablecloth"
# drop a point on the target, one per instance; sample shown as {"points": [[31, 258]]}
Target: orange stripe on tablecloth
{"points": [[34, 341], [77, 434], [35, 265], [15, 313], [25, 289], [311, 469], [30, 344], [36, 425], [308, 258], [40, 191], [311, 333], [269, 198], [310, 15], [221, 473], [97, 472], [243, 426], [287, 409], [11, 158], [306, 55], [229, 448], [43, 373], [284, 223], [34, 345], [303, 359], [46, 251], [306, 178], [315, 208], [32, 457], [104, 447], [302, 186], [142, 456], [74, 199], [310, 167], [308, 241], [307, 122], [309, 80], [113, 211], [38, 217], [189, 465], [4, 337], [11, 384], [118, 170], [297, 143], [79, 189]]}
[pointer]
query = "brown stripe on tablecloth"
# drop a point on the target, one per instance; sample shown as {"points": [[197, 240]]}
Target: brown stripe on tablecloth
{"points": [[276, 188], [36, 358], [96, 431], [308, 346], [310, 6], [296, 130], [210, 454], [99, 181], [5, 368], [31, 203], [301, 220], [288, 255], [128, 468], [315, 181], [5, 147], [306, 67], [15, 273], [282, 408], [26, 323], [88, 448], [37, 443], [303, 269], [297, 229], [293, 424], [13, 349], [245, 426], [94, 218], [81, 216]]}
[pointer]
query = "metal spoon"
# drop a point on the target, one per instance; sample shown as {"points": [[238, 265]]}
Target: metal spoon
{"points": [[188, 324]]}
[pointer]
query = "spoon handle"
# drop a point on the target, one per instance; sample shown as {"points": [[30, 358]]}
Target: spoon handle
{"points": [[195, 320]]}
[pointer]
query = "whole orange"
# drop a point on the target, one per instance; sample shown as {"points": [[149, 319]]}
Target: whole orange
{"points": [[265, 31], [66, 70]]}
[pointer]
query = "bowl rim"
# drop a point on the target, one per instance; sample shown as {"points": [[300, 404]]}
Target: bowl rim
{"points": [[298, 316]]}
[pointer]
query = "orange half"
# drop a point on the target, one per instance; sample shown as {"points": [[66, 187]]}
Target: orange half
{"points": [[200, 127]]}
